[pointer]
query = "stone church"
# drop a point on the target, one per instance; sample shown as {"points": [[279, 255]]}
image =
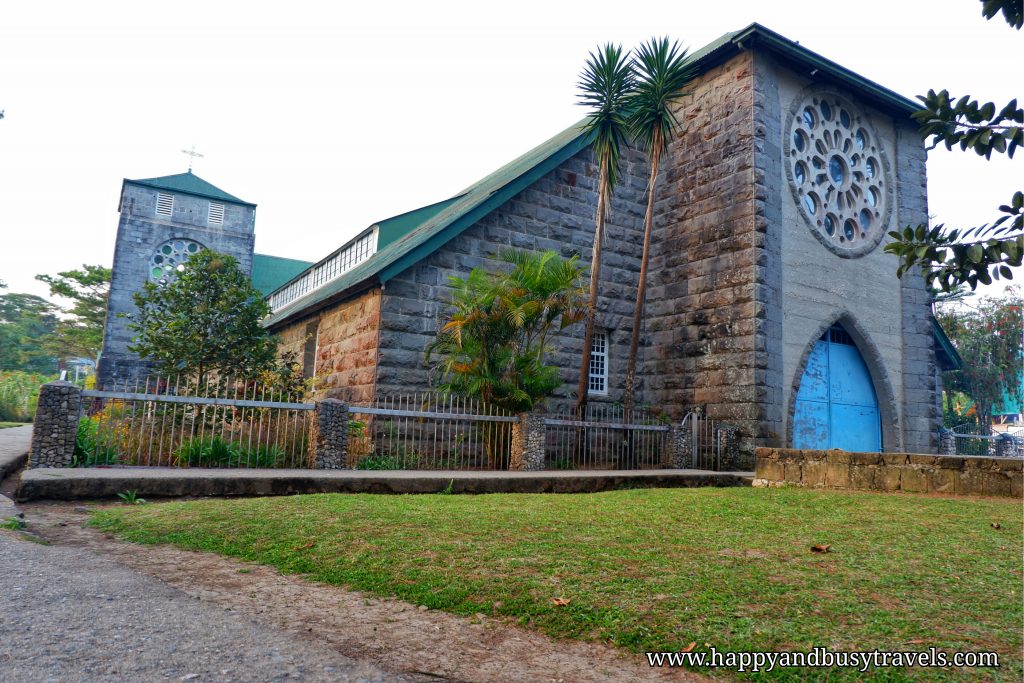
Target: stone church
{"points": [[771, 304], [163, 222]]}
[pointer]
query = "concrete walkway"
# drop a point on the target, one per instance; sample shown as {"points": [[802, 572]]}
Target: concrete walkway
{"points": [[70, 615], [99, 482], [14, 446]]}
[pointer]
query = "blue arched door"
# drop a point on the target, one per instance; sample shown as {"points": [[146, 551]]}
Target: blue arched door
{"points": [[836, 405]]}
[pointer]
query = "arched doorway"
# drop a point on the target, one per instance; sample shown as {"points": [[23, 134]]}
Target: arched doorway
{"points": [[836, 406]]}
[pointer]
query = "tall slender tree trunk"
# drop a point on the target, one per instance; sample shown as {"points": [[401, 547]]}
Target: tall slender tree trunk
{"points": [[641, 290], [595, 275]]}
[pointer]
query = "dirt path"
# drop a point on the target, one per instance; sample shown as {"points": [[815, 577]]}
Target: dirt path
{"points": [[390, 633]]}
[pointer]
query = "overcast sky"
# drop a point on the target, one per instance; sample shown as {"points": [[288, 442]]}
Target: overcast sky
{"points": [[332, 116]]}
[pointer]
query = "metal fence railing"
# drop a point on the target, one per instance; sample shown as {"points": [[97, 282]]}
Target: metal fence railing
{"points": [[972, 439], [708, 442], [602, 439], [172, 422], [429, 431]]}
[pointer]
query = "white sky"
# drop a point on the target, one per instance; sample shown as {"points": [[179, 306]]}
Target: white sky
{"points": [[333, 116]]}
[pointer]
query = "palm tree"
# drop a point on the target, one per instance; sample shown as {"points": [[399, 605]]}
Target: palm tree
{"points": [[662, 72], [604, 85]]}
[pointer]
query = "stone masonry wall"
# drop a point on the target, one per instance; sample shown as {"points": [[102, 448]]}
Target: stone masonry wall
{"points": [[346, 344], [556, 212], [703, 310], [922, 382], [139, 233], [803, 287], [908, 472]]}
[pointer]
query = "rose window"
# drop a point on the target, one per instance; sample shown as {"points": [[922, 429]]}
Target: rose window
{"points": [[169, 259], [838, 173]]}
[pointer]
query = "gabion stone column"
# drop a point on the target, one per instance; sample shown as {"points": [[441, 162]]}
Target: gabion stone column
{"points": [[527, 443], [730, 447], [680, 446], [947, 442], [330, 434], [56, 425], [1005, 448]]}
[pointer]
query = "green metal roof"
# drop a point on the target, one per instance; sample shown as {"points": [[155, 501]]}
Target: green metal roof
{"points": [[814, 64], [270, 272], [946, 353], [188, 183], [406, 239], [395, 228], [410, 242]]}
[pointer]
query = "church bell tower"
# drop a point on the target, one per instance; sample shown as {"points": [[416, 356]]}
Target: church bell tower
{"points": [[163, 222]]}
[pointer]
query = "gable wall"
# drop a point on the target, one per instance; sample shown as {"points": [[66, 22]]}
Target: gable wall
{"points": [[702, 311], [804, 287]]}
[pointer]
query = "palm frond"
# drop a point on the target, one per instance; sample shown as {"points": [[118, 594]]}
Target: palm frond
{"points": [[661, 74], [605, 85]]}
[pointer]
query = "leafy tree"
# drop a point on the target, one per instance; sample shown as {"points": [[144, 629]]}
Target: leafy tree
{"points": [[25, 319], [205, 321], [990, 251], [662, 72], [493, 344], [605, 85], [988, 338], [81, 334]]}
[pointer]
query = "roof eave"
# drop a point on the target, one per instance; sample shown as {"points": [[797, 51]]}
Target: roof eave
{"points": [[954, 361], [153, 186], [820, 67], [295, 310]]}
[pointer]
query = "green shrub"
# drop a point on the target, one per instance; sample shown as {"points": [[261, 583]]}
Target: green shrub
{"points": [[19, 394], [90, 448], [209, 451], [379, 462], [264, 456], [213, 451]]}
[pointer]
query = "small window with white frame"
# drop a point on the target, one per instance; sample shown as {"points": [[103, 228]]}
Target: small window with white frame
{"points": [[215, 216], [598, 383], [164, 204]]}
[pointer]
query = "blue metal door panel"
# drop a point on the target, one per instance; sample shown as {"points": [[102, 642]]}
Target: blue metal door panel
{"points": [[814, 383], [855, 428], [835, 403], [849, 381], [810, 424]]}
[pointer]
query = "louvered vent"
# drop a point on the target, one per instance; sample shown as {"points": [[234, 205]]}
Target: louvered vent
{"points": [[164, 204], [216, 214]]}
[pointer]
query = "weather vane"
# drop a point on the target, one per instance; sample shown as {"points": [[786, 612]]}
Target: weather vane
{"points": [[192, 156]]}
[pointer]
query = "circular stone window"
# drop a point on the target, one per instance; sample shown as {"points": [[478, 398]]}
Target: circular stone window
{"points": [[169, 259], [838, 173]]}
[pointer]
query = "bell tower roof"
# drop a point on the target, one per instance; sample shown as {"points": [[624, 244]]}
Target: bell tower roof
{"points": [[188, 183]]}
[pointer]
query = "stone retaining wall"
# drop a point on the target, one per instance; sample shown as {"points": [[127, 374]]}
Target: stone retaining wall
{"points": [[910, 472]]}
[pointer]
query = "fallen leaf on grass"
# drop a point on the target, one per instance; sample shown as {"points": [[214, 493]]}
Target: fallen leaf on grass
{"points": [[689, 648], [821, 548], [305, 547], [560, 602], [916, 641], [996, 525]]}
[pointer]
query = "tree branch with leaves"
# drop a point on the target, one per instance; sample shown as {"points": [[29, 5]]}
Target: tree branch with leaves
{"points": [[988, 252]]}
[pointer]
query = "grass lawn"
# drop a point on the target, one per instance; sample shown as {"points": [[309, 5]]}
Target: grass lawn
{"points": [[654, 569], [13, 424]]}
